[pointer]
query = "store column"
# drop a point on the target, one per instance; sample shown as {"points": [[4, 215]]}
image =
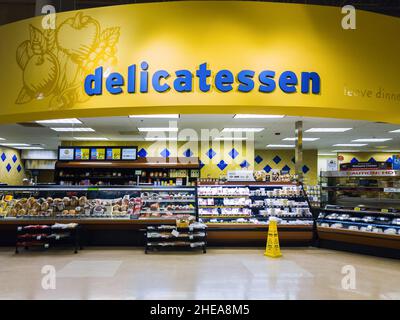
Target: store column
{"points": [[298, 154]]}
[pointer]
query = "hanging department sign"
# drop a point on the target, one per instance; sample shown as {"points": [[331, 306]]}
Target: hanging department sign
{"points": [[141, 80]]}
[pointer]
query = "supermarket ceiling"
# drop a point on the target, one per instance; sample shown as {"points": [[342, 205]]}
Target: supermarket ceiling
{"points": [[21, 9], [272, 131]]}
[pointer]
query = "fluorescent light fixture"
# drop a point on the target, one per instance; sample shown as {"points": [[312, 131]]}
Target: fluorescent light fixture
{"points": [[257, 116], [91, 138], [230, 138], [395, 131], [73, 129], [280, 146], [372, 140], [63, 121], [161, 129], [15, 144], [319, 130], [242, 129], [304, 139], [350, 145], [155, 116], [29, 148], [160, 139], [345, 150], [2, 139]]}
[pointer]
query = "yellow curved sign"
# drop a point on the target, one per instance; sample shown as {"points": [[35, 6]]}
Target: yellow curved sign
{"points": [[43, 71]]}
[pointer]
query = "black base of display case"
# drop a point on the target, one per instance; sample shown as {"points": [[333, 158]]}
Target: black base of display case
{"points": [[357, 248]]}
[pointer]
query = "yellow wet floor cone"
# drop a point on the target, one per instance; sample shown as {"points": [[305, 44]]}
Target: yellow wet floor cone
{"points": [[273, 249]]}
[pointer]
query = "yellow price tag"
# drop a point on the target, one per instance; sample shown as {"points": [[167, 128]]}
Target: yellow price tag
{"points": [[357, 209], [8, 197], [384, 210]]}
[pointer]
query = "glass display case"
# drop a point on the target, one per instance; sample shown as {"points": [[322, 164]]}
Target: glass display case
{"points": [[79, 202], [253, 203], [360, 208]]}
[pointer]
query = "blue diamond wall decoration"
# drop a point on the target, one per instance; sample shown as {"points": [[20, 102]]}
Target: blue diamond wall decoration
{"points": [[233, 153], [188, 153], [14, 158], [222, 165], [354, 161], [201, 164], [8, 167], [305, 169], [211, 153], [276, 159], [389, 160], [267, 168], [258, 159], [165, 153], [286, 168], [244, 164], [3, 157], [371, 160], [19, 168], [142, 153]]}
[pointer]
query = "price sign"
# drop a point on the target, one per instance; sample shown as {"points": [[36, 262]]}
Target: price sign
{"points": [[357, 209], [384, 210]]}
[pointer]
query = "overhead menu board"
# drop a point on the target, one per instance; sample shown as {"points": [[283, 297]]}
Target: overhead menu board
{"points": [[113, 154], [97, 153], [66, 154], [82, 153], [129, 153]]}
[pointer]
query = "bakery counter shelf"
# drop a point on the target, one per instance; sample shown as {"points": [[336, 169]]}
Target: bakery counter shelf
{"points": [[358, 237], [247, 184], [223, 206], [88, 221], [256, 227], [360, 211], [222, 196]]}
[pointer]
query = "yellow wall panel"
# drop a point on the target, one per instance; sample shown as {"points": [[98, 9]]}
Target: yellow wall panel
{"points": [[12, 170], [286, 157]]}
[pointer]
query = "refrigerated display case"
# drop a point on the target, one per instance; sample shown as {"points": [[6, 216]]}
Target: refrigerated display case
{"points": [[88, 203], [238, 212], [361, 211]]}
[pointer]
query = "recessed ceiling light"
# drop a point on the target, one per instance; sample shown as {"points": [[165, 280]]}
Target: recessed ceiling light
{"points": [[161, 116], [63, 121], [304, 139], [15, 144], [160, 139], [395, 131], [372, 140], [2, 139], [161, 129], [328, 130], [350, 145], [242, 129], [230, 138], [257, 116], [73, 129], [29, 148], [280, 146], [91, 138]]}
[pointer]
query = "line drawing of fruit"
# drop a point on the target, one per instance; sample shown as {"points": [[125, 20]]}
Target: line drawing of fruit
{"points": [[77, 36], [46, 66], [54, 62]]}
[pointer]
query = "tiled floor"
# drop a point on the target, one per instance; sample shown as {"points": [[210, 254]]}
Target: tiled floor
{"points": [[234, 273]]}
